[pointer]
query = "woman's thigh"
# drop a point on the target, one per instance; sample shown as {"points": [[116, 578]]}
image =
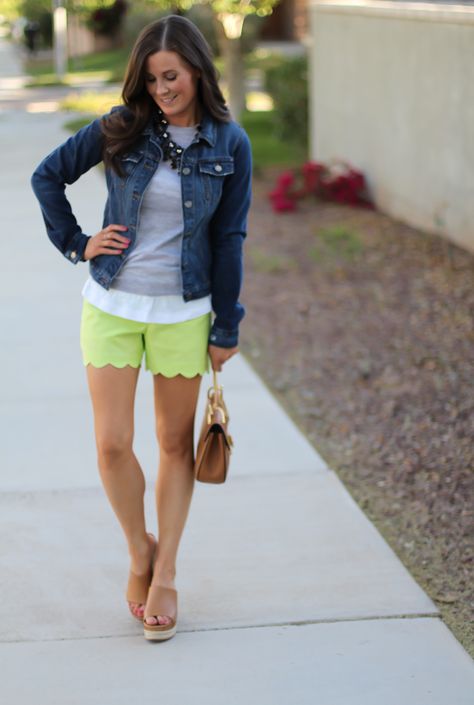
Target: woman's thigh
{"points": [[175, 409], [112, 391], [112, 349]]}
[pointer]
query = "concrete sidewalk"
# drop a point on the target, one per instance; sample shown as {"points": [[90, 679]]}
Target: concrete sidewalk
{"points": [[287, 593]]}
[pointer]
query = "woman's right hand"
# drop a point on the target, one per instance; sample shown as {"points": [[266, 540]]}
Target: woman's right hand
{"points": [[107, 242]]}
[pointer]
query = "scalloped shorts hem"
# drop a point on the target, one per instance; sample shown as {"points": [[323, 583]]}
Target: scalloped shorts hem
{"points": [[170, 349]]}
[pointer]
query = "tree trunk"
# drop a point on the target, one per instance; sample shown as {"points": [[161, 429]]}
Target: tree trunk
{"points": [[231, 50]]}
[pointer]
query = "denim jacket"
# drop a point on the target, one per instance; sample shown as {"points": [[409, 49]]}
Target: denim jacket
{"points": [[216, 175]]}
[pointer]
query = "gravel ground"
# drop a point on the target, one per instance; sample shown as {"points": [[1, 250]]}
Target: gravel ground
{"points": [[363, 328]]}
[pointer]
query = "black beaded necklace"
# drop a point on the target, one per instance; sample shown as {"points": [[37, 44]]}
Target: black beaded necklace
{"points": [[171, 150]]}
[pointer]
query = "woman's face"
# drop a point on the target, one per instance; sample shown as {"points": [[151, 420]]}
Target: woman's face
{"points": [[172, 84]]}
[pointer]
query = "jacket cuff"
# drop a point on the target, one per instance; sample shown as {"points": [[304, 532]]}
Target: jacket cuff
{"points": [[75, 250], [223, 338]]}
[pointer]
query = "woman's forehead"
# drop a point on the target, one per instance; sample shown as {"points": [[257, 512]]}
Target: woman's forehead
{"points": [[162, 61]]}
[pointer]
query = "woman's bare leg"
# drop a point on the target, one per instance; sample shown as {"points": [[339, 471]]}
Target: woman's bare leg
{"points": [[175, 408], [112, 392]]}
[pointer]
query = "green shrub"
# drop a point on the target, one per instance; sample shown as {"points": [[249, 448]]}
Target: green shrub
{"points": [[251, 33], [287, 83], [266, 149], [107, 21], [39, 11], [45, 20], [138, 16]]}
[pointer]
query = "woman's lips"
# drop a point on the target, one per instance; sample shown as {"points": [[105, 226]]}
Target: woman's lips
{"points": [[168, 101]]}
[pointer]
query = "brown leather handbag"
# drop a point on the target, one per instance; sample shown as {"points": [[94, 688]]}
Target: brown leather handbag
{"points": [[215, 443]]}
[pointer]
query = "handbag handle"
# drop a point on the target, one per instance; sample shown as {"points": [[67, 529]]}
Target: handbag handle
{"points": [[215, 387], [216, 401]]}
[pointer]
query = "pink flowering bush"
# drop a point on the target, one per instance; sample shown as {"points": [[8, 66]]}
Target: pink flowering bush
{"points": [[336, 182]]}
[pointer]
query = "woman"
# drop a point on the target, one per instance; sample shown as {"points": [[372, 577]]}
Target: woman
{"points": [[178, 172]]}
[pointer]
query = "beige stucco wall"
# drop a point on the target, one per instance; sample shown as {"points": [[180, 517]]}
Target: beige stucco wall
{"points": [[392, 91]]}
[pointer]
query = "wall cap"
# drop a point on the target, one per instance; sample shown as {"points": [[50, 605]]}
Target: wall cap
{"points": [[434, 12]]}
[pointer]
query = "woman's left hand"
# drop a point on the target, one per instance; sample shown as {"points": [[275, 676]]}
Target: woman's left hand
{"points": [[220, 355]]}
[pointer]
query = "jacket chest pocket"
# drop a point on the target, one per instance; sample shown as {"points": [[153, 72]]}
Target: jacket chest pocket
{"points": [[128, 163], [212, 173]]}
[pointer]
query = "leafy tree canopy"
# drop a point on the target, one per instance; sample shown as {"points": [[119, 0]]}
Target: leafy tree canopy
{"points": [[237, 7], [33, 8]]}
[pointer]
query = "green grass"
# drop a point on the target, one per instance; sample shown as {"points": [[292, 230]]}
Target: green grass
{"points": [[107, 66], [270, 263], [336, 242], [113, 59], [91, 103], [76, 124]]}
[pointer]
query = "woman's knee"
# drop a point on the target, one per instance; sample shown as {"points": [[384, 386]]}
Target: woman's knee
{"points": [[113, 446], [175, 443]]}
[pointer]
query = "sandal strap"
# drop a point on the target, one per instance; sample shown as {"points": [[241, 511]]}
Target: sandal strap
{"points": [[137, 587], [162, 601]]}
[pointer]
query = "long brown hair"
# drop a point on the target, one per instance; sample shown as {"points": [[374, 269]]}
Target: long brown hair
{"points": [[121, 129]]}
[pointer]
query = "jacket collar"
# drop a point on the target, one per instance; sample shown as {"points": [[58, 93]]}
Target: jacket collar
{"points": [[208, 127]]}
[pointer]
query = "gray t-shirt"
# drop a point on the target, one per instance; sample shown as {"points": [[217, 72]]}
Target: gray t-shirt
{"points": [[153, 267]]}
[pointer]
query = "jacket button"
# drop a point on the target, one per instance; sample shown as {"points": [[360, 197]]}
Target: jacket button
{"points": [[218, 167], [186, 170], [188, 204], [73, 254]]}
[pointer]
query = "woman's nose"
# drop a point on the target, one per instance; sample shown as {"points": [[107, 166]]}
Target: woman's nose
{"points": [[161, 90]]}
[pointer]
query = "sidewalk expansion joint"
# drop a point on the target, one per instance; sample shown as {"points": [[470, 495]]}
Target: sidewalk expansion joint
{"points": [[269, 625]]}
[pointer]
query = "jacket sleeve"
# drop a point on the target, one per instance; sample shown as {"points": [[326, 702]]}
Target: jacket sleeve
{"points": [[228, 229], [64, 165]]}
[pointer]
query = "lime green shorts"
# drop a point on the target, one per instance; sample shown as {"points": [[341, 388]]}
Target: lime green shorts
{"points": [[170, 348]]}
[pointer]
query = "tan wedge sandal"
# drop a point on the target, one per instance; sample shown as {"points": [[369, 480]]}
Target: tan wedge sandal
{"points": [[138, 584], [162, 601]]}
